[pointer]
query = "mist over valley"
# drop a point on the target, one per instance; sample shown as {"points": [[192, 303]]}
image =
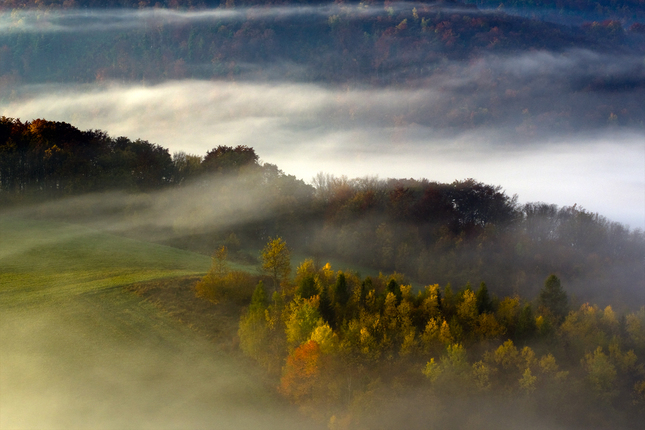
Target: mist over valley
{"points": [[350, 215]]}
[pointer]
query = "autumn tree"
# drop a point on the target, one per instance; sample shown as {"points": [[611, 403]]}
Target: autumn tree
{"points": [[186, 167], [253, 330], [301, 372], [303, 318], [601, 374], [209, 285], [276, 261]]}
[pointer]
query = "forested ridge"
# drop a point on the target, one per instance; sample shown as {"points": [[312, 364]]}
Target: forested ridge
{"points": [[459, 232], [626, 8]]}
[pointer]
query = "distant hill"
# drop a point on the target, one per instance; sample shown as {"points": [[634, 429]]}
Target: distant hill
{"points": [[581, 77]]}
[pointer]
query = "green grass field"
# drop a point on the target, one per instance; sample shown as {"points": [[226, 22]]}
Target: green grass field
{"points": [[41, 259], [77, 350]]}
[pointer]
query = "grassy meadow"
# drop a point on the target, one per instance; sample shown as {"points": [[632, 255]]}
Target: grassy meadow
{"points": [[77, 350], [41, 260]]}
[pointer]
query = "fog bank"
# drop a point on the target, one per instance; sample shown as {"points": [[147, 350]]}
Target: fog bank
{"points": [[307, 128]]}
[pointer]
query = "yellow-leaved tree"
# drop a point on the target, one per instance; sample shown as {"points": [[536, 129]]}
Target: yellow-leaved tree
{"points": [[276, 261]]}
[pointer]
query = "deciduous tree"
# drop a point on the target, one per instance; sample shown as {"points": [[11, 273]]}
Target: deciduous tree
{"points": [[276, 261]]}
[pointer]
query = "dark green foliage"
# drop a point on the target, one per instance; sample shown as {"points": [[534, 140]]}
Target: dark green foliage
{"points": [[47, 158], [394, 288], [325, 307], [484, 302], [365, 287], [554, 299], [526, 327], [226, 159], [456, 329], [307, 287], [449, 300], [341, 294]]}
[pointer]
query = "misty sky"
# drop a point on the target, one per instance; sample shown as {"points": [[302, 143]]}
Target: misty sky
{"points": [[307, 128]]}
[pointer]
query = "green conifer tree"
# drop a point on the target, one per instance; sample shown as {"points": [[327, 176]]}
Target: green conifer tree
{"points": [[484, 303], [554, 298]]}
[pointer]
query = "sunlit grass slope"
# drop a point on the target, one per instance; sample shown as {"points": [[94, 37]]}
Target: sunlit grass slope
{"points": [[79, 351], [46, 259]]}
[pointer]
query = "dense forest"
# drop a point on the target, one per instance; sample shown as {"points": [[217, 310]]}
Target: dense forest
{"points": [[628, 8], [372, 353]]}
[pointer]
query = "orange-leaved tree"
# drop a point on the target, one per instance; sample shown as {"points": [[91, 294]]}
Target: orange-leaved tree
{"points": [[301, 372]]}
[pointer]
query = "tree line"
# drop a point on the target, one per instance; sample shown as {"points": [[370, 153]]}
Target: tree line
{"points": [[47, 159]]}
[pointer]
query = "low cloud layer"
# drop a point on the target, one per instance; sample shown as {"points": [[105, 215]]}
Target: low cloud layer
{"points": [[305, 129]]}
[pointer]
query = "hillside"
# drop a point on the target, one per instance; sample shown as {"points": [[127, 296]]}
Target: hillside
{"points": [[44, 260], [79, 351]]}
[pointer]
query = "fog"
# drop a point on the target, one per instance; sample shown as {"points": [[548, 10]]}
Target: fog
{"points": [[77, 364], [537, 141], [203, 206], [308, 128], [72, 364]]}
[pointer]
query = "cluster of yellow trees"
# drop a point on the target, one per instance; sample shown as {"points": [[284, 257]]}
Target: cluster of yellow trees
{"points": [[334, 339]]}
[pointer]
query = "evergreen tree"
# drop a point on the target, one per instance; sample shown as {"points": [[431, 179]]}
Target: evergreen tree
{"points": [[307, 287], [526, 326], [554, 298], [341, 295], [258, 300], [394, 288], [484, 303], [448, 301], [325, 308], [366, 286]]}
